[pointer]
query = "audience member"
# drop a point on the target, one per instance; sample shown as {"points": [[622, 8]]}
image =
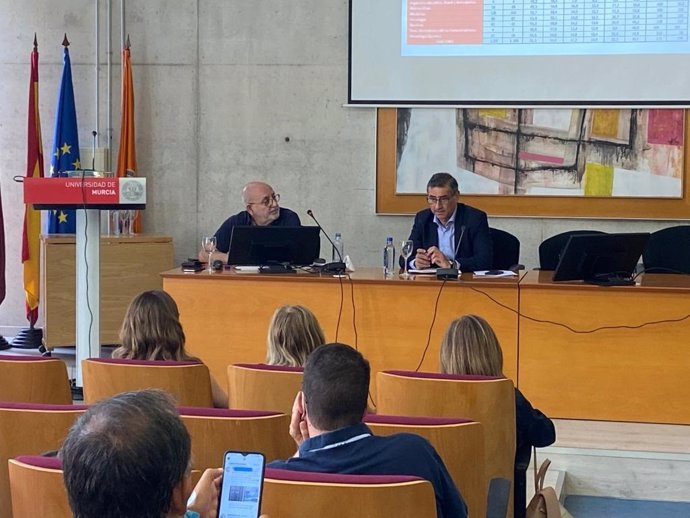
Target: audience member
{"points": [[448, 233], [331, 437], [129, 456], [470, 346], [293, 333], [151, 330], [261, 209]]}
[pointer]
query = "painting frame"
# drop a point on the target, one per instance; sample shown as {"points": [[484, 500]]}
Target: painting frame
{"points": [[388, 201]]}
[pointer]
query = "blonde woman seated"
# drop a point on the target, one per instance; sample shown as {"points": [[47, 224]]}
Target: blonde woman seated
{"points": [[293, 333], [151, 330], [470, 346]]}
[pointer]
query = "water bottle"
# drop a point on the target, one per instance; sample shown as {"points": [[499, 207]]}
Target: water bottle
{"points": [[339, 248], [389, 258]]}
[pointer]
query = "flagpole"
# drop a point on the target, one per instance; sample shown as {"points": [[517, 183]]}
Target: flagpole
{"points": [[97, 70], [32, 337], [122, 24]]}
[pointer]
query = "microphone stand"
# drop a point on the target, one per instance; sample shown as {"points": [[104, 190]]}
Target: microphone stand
{"points": [[337, 267], [452, 272]]}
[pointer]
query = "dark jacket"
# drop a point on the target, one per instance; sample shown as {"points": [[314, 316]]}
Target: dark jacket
{"points": [[532, 428], [355, 450], [476, 248]]}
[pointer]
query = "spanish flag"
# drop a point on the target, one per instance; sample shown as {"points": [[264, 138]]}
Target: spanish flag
{"points": [[32, 218], [127, 155]]}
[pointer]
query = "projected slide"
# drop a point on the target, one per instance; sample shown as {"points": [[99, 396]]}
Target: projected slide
{"points": [[544, 27]]}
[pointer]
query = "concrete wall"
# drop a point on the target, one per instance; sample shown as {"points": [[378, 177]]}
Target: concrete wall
{"points": [[226, 91]]}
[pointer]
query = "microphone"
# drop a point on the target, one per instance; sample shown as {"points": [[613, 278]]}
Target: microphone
{"points": [[335, 267], [452, 273], [93, 151], [457, 246]]}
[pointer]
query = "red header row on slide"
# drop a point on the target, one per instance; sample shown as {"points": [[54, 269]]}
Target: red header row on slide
{"points": [[438, 22]]}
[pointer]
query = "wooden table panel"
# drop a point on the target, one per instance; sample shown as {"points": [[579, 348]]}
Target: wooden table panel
{"points": [[129, 265], [226, 315], [638, 374]]}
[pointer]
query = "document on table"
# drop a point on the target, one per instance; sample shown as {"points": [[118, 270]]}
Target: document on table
{"points": [[495, 273], [423, 271], [246, 269]]}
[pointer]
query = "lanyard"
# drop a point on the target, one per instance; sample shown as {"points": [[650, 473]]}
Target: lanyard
{"points": [[342, 443]]}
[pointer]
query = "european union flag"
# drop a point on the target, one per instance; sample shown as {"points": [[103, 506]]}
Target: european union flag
{"points": [[65, 150]]}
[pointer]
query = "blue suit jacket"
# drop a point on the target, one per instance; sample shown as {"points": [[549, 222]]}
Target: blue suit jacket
{"points": [[476, 249]]}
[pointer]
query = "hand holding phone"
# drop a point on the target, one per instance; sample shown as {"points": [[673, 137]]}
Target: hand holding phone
{"points": [[204, 498], [243, 477]]}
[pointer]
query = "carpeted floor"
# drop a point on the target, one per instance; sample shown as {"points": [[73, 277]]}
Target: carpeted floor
{"points": [[601, 507]]}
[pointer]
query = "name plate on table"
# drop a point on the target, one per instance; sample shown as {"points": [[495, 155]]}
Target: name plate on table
{"points": [[86, 193]]}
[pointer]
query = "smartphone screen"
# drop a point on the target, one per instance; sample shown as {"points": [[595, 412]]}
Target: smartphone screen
{"points": [[240, 493]]}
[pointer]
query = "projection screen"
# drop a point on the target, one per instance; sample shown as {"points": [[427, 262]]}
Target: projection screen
{"points": [[519, 52]]}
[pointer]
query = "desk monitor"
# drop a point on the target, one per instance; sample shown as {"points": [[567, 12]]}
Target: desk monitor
{"points": [[608, 259], [260, 246]]}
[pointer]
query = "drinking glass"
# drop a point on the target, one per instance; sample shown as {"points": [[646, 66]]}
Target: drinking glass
{"points": [[123, 216], [406, 252], [132, 218], [208, 243], [114, 222]]}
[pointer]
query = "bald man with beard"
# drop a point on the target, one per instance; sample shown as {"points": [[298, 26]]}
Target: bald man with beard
{"points": [[261, 209]]}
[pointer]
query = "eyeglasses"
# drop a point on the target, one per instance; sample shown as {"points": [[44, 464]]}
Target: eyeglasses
{"points": [[267, 201], [441, 200]]}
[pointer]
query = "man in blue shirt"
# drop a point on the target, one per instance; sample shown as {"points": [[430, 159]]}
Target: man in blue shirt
{"points": [[261, 209], [450, 234], [331, 437]]}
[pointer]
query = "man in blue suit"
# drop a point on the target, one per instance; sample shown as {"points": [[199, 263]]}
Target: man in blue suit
{"points": [[450, 234]]}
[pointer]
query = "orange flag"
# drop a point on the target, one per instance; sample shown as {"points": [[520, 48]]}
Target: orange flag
{"points": [[127, 155], [32, 218]]}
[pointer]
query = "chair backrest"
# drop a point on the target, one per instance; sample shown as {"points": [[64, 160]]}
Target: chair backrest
{"points": [[459, 442], [263, 387], [30, 429], [37, 487], [668, 250], [294, 494], [506, 249], [550, 249], [188, 382], [215, 431], [488, 400], [34, 380]]}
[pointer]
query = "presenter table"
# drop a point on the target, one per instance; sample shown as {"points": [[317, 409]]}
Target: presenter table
{"points": [[226, 315], [638, 374]]}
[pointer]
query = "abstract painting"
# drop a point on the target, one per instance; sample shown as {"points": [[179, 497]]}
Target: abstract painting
{"points": [[625, 153]]}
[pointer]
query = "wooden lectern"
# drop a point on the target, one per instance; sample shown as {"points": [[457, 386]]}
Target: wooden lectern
{"points": [[88, 195]]}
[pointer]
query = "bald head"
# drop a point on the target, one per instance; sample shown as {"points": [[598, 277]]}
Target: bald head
{"points": [[255, 191], [261, 203]]}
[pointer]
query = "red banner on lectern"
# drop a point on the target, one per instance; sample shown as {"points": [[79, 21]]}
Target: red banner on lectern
{"points": [[88, 191]]}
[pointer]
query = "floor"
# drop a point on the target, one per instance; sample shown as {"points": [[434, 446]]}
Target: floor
{"points": [[603, 507]]}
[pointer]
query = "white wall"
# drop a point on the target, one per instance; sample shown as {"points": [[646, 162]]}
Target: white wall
{"points": [[220, 87]]}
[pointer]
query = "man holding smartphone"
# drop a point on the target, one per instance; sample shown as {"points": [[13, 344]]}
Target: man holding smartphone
{"points": [[328, 429], [130, 456]]}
